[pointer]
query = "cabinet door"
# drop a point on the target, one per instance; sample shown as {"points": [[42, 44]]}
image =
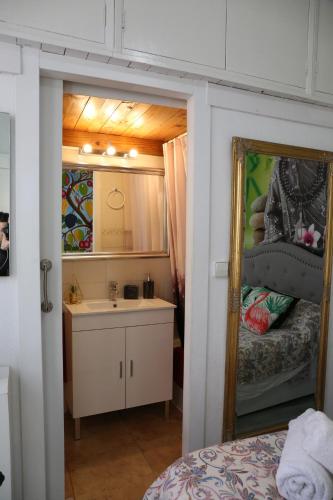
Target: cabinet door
{"points": [[191, 30], [149, 351], [98, 371], [324, 81], [75, 18], [268, 39]]}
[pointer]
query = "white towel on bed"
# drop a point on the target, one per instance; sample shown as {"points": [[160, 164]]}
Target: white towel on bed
{"points": [[299, 477], [318, 440]]}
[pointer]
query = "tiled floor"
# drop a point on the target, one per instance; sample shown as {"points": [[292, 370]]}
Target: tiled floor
{"points": [[120, 453]]}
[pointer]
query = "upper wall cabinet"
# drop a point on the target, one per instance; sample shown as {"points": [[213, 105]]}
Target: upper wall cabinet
{"points": [[268, 39], [191, 30], [324, 80], [82, 19]]}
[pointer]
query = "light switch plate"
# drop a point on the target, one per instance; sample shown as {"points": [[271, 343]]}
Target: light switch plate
{"points": [[221, 269]]}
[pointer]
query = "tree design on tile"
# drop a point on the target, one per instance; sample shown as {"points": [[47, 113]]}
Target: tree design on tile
{"points": [[77, 210]]}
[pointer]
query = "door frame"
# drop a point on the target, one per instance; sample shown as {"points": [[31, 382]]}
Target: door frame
{"points": [[197, 237]]}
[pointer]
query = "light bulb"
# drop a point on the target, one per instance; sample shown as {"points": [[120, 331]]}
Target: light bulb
{"points": [[133, 153], [87, 148], [110, 150]]}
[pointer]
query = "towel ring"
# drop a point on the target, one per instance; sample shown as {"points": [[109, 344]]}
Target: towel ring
{"points": [[109, 202]]}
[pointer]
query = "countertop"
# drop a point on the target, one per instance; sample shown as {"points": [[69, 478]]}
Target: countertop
{"points": [[105, 306]]}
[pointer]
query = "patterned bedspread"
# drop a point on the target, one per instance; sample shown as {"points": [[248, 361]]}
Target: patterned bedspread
{"points": [[242, 469], [280, 350]]}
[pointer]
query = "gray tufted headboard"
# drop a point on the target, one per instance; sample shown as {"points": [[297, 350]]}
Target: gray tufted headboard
{"points": [[285, 268]]}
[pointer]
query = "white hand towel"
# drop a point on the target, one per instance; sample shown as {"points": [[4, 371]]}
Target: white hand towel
{"points": [[318, 440], [299, 477]]}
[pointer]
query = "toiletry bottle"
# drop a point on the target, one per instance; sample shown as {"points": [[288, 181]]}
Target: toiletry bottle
{"points": [[148, 288]]}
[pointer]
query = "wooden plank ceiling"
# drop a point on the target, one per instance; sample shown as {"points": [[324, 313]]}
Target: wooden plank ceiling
{"points": [[113, 117]]}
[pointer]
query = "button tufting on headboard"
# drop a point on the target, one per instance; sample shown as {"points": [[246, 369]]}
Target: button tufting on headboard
{"points": [[304, 270]]}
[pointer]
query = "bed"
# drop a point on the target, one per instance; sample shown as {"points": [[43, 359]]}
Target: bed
{"points": [[281, 365], [242, 469]]}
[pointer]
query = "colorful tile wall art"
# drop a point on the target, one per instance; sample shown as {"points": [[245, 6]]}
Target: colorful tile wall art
{"points": [[77, 210]]}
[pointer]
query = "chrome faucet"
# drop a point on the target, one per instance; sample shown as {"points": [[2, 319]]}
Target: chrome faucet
{"points": [[113, 290]]}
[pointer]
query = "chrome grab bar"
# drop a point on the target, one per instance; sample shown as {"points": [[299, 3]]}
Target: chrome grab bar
{"points": [[45, 266]]}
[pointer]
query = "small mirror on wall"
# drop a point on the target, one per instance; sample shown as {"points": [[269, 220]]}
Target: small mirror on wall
{"points": [[4, 193]]}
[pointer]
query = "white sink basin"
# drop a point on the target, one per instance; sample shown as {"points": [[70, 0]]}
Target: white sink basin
{"points": [[120, 306], [128, 304]]}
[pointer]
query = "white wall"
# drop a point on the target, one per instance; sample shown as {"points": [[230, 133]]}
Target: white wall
{"points": [[93, 276], [9, 337], [292, 126]]}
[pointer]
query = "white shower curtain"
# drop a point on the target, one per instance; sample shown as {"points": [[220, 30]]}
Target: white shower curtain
{"points": [[175, 161], [146, 212]]}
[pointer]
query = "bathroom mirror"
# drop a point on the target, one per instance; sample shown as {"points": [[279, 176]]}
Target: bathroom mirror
{"points": [[4, 193], [113, 211], [279, 285]]}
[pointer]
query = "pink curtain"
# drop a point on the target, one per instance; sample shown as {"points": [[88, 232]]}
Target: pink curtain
{"points": [[175, 162]]}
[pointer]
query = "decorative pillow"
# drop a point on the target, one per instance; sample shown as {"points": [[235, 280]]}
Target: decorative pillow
{"points": [[246, 289], [280, 322], [261, 307]]}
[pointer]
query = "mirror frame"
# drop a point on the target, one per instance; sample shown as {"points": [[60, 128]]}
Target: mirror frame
{"points": [[71, 256], [241, 146]]}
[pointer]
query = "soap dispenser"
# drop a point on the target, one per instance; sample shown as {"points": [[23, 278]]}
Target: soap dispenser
{"points": [[148, 288]]}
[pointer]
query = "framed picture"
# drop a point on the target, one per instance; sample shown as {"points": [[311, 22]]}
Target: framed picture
{"points": [[4, 194]]}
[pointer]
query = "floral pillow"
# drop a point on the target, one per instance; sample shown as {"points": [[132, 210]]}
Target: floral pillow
{"points": [[261, 307], [246, 289]]}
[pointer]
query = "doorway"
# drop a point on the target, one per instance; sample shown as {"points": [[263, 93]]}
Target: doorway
{"points": [[123, 214], [197, 235]]}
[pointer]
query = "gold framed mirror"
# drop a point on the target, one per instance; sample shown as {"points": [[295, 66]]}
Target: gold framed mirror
{"points": [[279, 285]]}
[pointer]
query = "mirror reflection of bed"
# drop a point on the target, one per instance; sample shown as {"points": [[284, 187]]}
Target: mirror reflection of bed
{"points": [[282, 287]]}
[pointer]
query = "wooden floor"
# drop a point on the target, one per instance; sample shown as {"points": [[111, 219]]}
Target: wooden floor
{"points": [[120, 453]]}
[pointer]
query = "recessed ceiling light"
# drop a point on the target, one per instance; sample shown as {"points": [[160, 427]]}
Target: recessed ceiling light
{"points": [[110, 110], [89, 110], [115, 117], [138, 123]]}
